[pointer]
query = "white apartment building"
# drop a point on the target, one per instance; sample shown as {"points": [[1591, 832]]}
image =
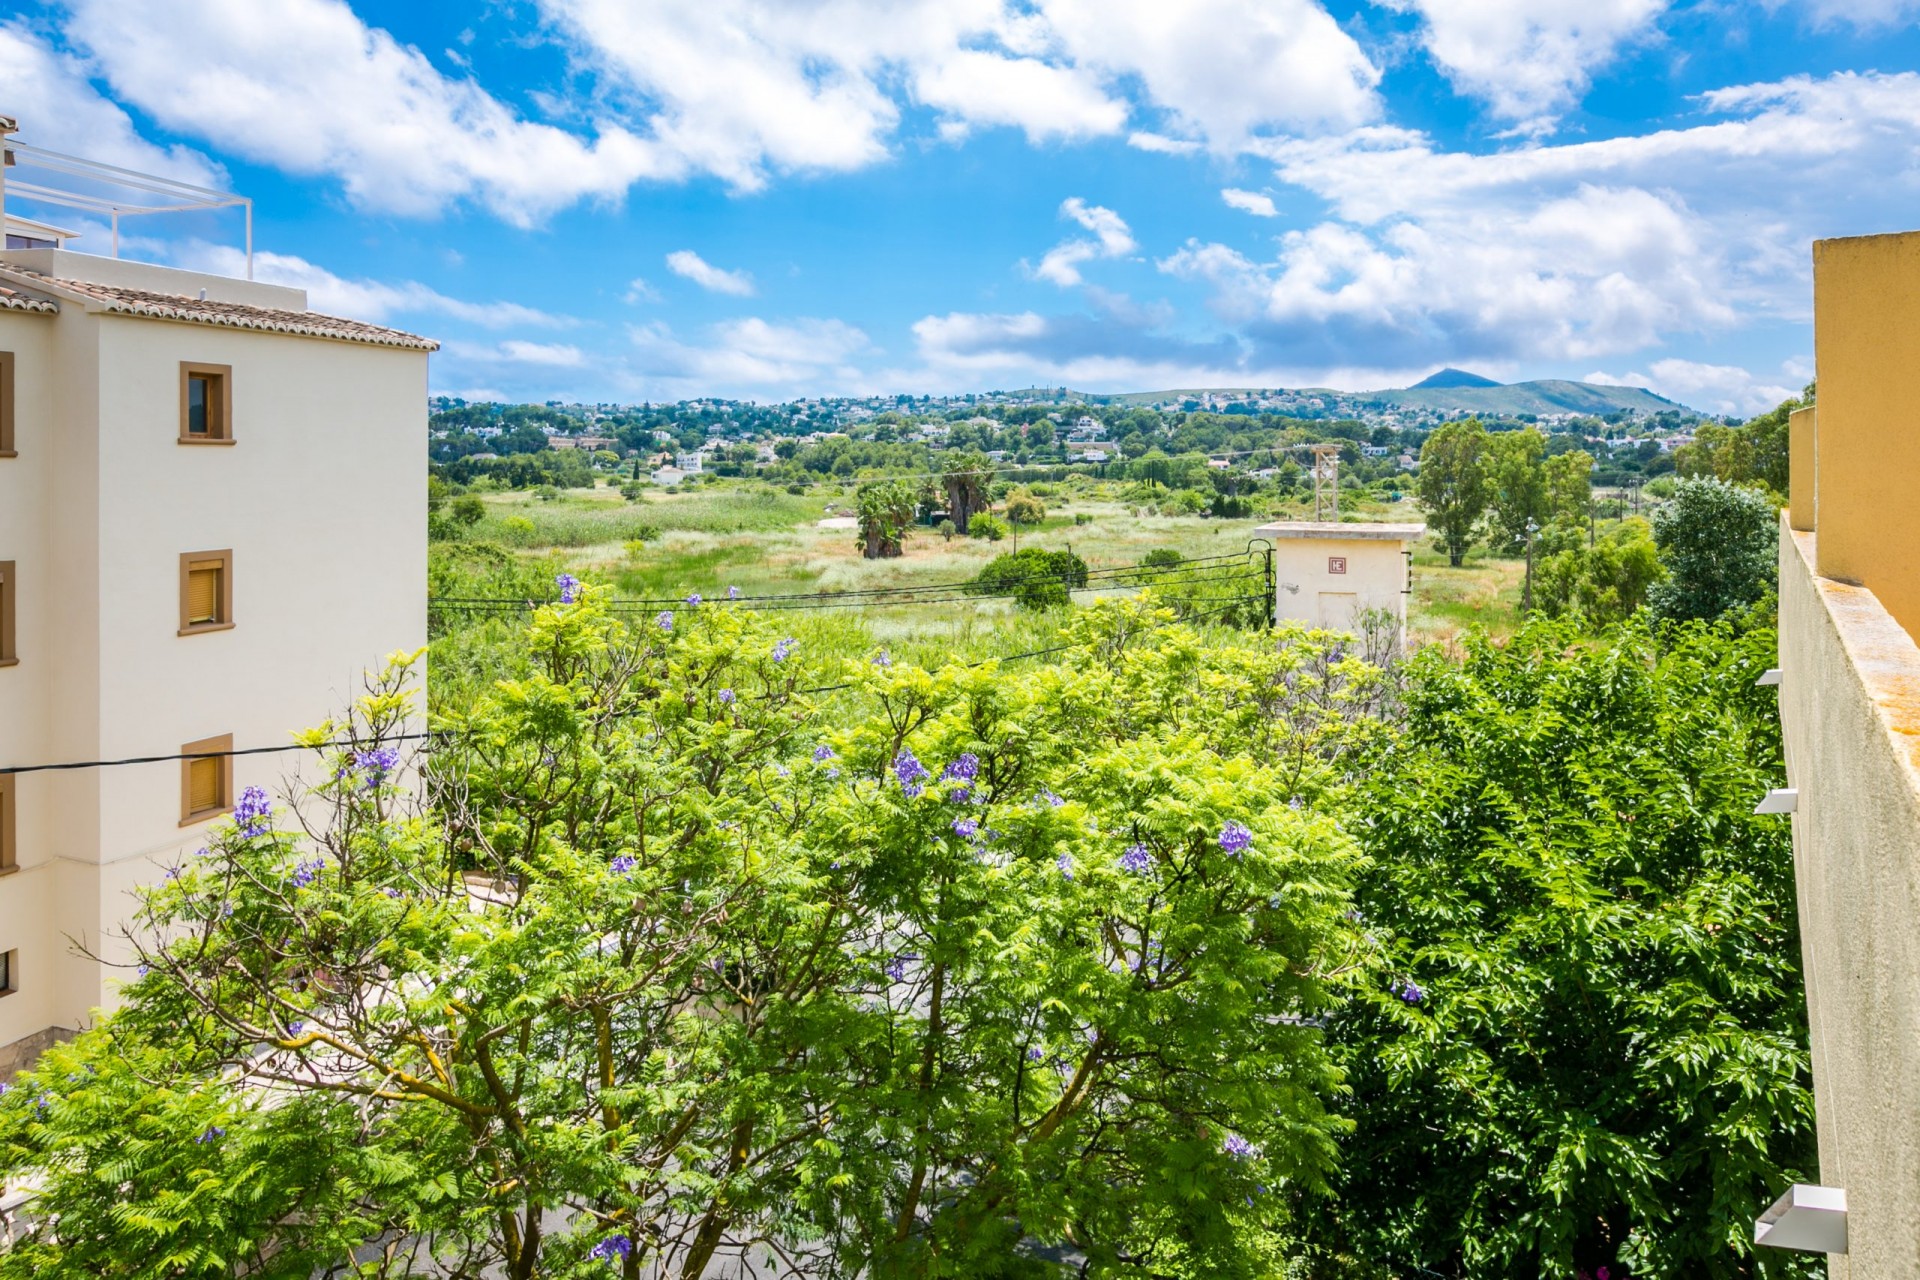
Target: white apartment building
{"points": [[212, 522]]}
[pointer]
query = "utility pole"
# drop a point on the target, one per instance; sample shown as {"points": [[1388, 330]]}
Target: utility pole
{"points": [[1526, 591], [1326, 482]]}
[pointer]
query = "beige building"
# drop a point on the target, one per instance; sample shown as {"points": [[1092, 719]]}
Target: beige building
{"points": [[1326, 573], [212, 521], [1850, 712]]}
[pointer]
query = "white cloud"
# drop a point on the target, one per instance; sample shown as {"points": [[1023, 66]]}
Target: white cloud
{"points": [[306, 86], [685, 262], [1528, 59], [1716, 388], [1225, 70], [1160, 144], [51, 95], [1589, 249], [749, 356], [638, 291], [1047, 102], [1250, 202], [374, 301], [1111, 239], [515, 351], [1865, 15]]}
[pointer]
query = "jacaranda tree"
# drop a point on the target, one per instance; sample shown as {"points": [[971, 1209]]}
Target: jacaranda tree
{"points": [[921, 974]]}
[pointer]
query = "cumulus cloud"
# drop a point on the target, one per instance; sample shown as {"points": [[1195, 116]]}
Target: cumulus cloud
{"points": [[687, 263], [550, 355], [1715, 388], [1250, 202], [306, 86], [50, 93], [1111, 239], [749, 356], [375, 301], [1528, 59]]}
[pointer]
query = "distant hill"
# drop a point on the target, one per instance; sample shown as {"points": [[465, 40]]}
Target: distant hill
{"points": [[1551, 395], [1445, 392], [1453, 378]]}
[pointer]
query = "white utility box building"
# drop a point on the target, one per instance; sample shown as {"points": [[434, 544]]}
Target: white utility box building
{"points": [[1325, 573]]}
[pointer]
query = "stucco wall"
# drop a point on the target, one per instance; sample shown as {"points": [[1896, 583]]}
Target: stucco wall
{"points": [[1850, 710], [321, 499], [1866, 311], [1376, 578]]}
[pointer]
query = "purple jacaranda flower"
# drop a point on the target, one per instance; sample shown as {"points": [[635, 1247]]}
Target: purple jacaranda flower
{"points": [[966, 828], [213, 1132], [665, 620], [907, 768], [1035, 1053], [897, 967], [1235, 838], [965, 768], [1136, 859], [823, 752], [726, 697], [1065, 863], [614, 1249], [377, 763], [1296, 804], [1053, 801], [833, 773], [782, 771], [960, 795], [623, 865], [694, 599], [305, 873], [1408, 990], [392, 892], [733, 593], [784, 650], [568, 585], [1238, 1147], [173, 873], [883, 660], [252, 813], [295, 1027]]}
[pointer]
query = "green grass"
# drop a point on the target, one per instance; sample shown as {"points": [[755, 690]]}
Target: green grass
{"points": [[766, 541]]}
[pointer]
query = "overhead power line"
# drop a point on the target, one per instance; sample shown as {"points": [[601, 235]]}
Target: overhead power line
{"points": [[438, 734]]}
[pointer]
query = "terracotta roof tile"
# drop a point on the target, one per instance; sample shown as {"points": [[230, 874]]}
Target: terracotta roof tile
{"points": [[166, 306], [15, 300]]}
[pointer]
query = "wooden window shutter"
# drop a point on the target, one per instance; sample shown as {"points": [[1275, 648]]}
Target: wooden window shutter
{"points": [[203, 790], [203, 594]]}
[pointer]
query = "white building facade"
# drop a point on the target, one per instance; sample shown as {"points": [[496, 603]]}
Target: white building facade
{"points": [[212, 523], [1329, 574]]}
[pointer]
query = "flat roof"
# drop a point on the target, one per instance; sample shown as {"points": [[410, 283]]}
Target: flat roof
{"points": [[1331, 530]]}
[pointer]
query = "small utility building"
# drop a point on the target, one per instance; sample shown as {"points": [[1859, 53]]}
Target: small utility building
{"points": [[1325, 572]]}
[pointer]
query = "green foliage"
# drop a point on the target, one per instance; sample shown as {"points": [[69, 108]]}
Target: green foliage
{"points": [[1755, 453], [987, 525], [1516, 487], [1035, 578], [1024, 508], [730, 968], [1453, 484], [468, 510], [946, 530], [886, 511], [1718, 542], [1586, 1047], [1160, 558], [1605, 583]]}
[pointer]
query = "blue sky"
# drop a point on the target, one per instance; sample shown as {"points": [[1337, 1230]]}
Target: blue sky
{"points": [[656, 199]]}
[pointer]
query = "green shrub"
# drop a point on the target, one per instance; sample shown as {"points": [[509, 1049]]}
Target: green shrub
{"points": [[987, 525], [1035, 578]]}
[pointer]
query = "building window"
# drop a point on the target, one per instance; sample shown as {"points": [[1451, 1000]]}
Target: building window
{"points": [[9, 972], [206, 591], [6, 404], [206, 403], [9, 824], [206, 779], [9, 604]]}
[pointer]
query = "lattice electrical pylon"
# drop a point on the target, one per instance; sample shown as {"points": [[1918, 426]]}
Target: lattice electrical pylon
{"points": [[1326, 482]]}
